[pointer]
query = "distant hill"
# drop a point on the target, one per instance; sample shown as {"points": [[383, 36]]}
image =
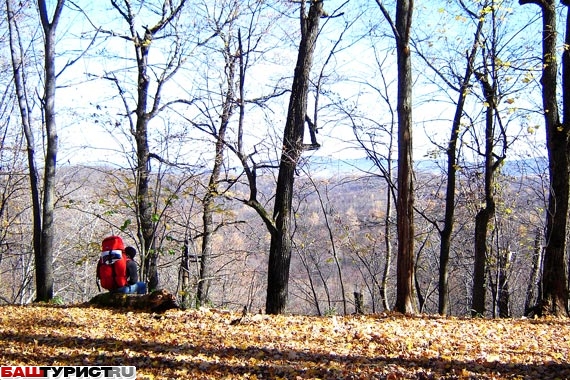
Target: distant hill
{"points": [[335, 166]]}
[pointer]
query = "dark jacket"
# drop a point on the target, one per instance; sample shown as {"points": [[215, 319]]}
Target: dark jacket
{"points": [[132, 272]]}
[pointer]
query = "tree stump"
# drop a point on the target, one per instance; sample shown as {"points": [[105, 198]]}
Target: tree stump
{"points": [[358, 303], [157, 302]]}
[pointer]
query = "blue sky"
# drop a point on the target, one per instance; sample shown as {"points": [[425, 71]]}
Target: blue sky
{"points": [[90, 133]]}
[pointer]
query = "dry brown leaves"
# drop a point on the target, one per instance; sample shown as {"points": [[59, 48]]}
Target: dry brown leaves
{"points": [[205, 345]]}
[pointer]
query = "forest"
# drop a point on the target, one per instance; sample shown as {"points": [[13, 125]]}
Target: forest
{"points": [[309, 157]]}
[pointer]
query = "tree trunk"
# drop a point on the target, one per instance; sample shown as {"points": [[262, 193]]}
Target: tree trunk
{"points": [[388, 223], [44, 257], [146, 108], [358, 303], [204, 277], [487, 213], [554, 299], [312, 287], [208, 211], [280, 248], [184, 276], [144, 199], [158, 301], [504, 295], [213, 188], [405, 300], [333, 249], [17, 52], [531, 299], [388, 247], [449, 218], [479, 289]]}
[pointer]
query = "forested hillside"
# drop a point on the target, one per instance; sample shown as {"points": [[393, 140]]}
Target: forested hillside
{"points": [[309, 157], [340, 229]]}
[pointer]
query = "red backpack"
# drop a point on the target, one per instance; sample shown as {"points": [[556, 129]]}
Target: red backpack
{"points": [[112, 266]]}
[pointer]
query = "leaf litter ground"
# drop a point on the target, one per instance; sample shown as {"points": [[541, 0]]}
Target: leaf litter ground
{"points": [[211, 344]]}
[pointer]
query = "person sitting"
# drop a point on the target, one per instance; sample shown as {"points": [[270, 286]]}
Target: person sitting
{"points": [[133, 283]]}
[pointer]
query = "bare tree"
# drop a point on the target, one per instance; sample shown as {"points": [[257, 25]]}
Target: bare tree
{"points": [[378, 142], [293, 147], [43, 209], [531, 299], [554, 298], [461, 87], [44, 258], [226, 27], [220, 115], [17, 54], [487, 212], [147, 106], [401, 27]]}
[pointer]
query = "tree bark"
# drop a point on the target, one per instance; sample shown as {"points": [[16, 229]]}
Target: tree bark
{"points": [[531, 299], [451, 152], [504, 294], [44, 257], [280, 248], [388, 247], [144, 198], [158, 301], [487, 213], [17, 52], [554, 298], [184, 276], [405, 299], [479, 290], [358, 303], [213, 188]]}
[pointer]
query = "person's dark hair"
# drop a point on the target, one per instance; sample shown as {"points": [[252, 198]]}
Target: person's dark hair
{"points": [[131, 252]]}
